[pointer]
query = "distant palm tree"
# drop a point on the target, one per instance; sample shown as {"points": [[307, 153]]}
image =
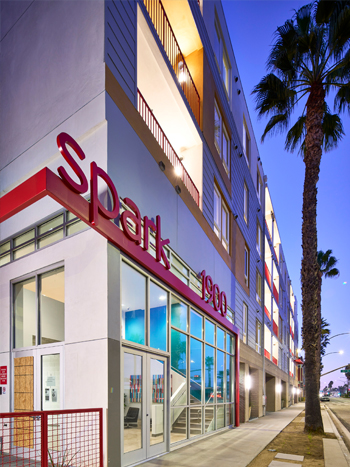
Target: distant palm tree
{"points": [[326, 263], [309, 57]]}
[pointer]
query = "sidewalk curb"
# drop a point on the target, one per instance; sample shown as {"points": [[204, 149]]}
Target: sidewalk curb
{"points": [[334, 421]]}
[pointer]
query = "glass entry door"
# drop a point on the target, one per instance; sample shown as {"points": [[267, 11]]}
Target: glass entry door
{"points": [[145, 409]]}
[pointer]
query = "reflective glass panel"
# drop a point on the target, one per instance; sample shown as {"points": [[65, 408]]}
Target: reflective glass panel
{"points": [[220, 376], [24, 251], [5, 259], [133, 305], [25, 313], [178, 424], [209, 374], [229, 378], [229, 343], [50, 382], [52, 306], [196, 421], [132, 402], [23, 238], [4, 247], [51, 238], [196, 325], [158, 317], [75, 227], [229, 414], [51, 224], [209, 421], [220, 417], [157, 401], [178, 314], [209, 332], [220, 335], [196, 371], [178, 368]]}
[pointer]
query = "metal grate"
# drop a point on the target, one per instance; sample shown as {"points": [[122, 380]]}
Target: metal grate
{"points": [[49, 439]]}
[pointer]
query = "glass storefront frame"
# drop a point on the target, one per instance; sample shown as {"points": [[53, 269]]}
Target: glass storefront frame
{"points": [[220, 420]]}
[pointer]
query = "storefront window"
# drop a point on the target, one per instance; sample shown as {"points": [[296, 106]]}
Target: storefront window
{"points": [[42, 296], [220, 337], [178, 367], [158, 317], [196, 325], [196, 371], [52, 306], [209, 374], [25, 313], [133, 382], [178, 314], [50, 390], [220, 376], [133, 305], [209, 332]]}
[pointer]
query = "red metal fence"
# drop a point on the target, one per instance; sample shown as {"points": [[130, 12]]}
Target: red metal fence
{"points": [[172, 49], [152, 123], [62, 438]]}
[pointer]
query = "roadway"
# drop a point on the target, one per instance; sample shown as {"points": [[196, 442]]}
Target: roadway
{"points": [[341, 407]]}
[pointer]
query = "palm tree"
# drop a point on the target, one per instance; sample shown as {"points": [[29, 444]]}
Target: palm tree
{"points": [[309, 58], [326, 267]]}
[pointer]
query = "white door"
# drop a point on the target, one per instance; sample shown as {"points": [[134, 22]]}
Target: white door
{"points": [[144, 394]]}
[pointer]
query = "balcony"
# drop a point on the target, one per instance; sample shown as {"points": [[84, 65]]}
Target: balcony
{"points": [[172, 49], [164, 143], [162, 104]]}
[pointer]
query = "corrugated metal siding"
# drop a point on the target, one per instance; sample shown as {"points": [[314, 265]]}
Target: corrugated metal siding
{"points": [[121, 44]]}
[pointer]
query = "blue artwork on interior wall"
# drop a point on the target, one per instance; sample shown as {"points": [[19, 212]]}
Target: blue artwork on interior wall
{"points": [[135, 326], [158, 322]]}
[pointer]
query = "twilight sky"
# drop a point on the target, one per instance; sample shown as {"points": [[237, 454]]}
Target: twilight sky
{"points": [[252, 24]]}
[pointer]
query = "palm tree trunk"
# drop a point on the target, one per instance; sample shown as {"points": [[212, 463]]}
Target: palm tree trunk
{"points": [[309, 265], [319, 317]]}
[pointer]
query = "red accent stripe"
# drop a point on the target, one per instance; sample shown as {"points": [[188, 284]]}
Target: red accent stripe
{"points": [[275, 328], [274, 360], [275, 293], [267, 354], [268, 314], [267, 275]]}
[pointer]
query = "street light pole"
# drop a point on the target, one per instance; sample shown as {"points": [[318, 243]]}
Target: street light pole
{"points": [[341, 334], [329, 353]]}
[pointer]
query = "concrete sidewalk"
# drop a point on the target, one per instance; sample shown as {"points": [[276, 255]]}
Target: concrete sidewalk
{"points": [[236, 447], [335, 451]]}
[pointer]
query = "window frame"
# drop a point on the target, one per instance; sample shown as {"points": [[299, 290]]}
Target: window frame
{"points": [[246, 265], [258, 329], [246, 142], [33, 275], [222, 140], [259, 185], [224, 213], [258, 288], [246, 202], [222, 61], [245, 323], [259, 238]]}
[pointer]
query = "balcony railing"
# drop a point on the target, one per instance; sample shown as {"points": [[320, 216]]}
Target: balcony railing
{"points": [[275, 328], [167, 37], [275, 293], [152, 123], [268, 274]]}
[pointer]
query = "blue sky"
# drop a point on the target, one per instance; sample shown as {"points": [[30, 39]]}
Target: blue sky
{"points": [[252, 24]]}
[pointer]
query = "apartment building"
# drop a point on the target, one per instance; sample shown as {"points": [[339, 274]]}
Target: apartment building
{"points": [[141, 264]]}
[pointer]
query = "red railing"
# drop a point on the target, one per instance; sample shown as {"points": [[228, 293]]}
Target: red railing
{"points": [[52, 438], [167, 37], [267, 354], [274, 360], [156, 130], [268, 314], [275, 328], [268, 274], [275, 293]]}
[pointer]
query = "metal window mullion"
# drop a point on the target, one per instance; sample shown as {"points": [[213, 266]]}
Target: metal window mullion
{"points": [[38, 308]]}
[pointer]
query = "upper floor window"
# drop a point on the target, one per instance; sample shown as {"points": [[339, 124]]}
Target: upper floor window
{"points": [[246, 266], [246, 142], [221, 219], [259, 186], [221, 56], [258, 337], [258, 287], [221, 138], [245, 203], [38, 313], [258, 238], [245, 323]]}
